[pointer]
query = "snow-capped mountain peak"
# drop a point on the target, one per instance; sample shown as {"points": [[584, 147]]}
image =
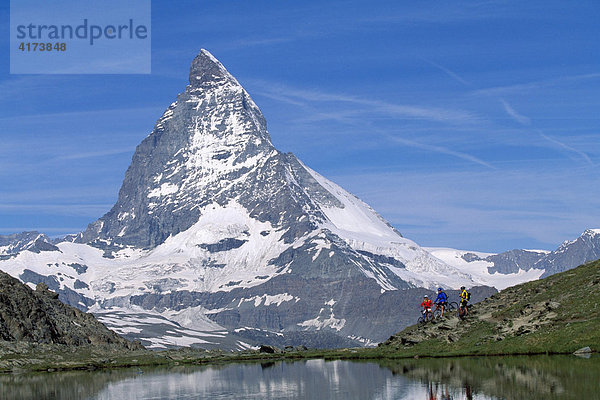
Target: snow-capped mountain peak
{"points": [[206, 72], [205, 142]]}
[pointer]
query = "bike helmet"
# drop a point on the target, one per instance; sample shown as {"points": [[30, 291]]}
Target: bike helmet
{"points": [[462, 288], [439, 289], [425, 296]]}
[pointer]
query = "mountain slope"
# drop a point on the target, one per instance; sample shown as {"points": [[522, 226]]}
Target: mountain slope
{"points": [[557, 314]]}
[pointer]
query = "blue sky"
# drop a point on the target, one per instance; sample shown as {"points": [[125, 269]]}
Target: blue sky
{"points": [[467, 124]]}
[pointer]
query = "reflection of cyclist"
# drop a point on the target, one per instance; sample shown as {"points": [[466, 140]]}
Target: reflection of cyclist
{"points": [[468, 391], [446, 394], [441, 300], [426, 304], [431, 395]]}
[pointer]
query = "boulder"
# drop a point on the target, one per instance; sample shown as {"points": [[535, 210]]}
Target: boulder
{"points": [[583, 350], [269, 349]]}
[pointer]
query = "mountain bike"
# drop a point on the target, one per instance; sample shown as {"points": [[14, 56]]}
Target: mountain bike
{"points": [[426, 316], [437, 313], [451, 306]]}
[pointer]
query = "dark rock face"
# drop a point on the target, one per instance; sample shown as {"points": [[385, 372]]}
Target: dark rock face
{"points": [[568, 255], [572, 253], [79, 268], [223, 245], [39, 317], [470, 257], [51, 282], [513, 260], [65, 294], [269, 349]]}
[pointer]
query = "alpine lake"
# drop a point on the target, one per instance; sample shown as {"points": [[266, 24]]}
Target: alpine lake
{"points": [[510, 377]]}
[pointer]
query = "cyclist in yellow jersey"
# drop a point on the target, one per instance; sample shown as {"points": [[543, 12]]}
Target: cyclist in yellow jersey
{"points": [[464, 296]]}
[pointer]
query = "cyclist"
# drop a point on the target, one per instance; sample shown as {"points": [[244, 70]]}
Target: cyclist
{"points": [[464, 298], [441, 300], [426, 304]]}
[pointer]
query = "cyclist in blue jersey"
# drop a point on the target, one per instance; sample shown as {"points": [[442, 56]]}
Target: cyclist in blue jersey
{"points": [[441, 300]]}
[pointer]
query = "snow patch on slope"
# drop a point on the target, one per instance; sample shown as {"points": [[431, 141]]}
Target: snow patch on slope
{"points": [[164, 190], [158, 330], [267, 300], [319, 323]]}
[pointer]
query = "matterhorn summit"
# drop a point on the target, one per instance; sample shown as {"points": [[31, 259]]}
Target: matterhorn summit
{"points": [[212, 136], [217, 238]]}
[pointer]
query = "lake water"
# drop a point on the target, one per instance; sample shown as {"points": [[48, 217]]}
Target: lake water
{"points": [[539, 377]]}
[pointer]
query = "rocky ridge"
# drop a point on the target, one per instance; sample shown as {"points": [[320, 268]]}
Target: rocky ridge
{"points": [[11, 245], [39, 317]]}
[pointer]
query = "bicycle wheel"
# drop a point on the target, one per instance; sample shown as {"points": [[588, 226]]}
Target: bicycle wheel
{"points": [[421, 321], [453, 306], [437, 313]]}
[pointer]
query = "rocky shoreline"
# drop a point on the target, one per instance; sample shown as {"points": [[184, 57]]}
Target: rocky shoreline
{"points": [[53, 358]]}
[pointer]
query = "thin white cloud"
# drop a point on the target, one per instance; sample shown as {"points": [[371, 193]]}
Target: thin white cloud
{"points": [[567, 147], [14, 86], [62, 194], [92, 154], [297, 96], [279, 97], [56, 230], [526, 121], [311, 99], [440, 13], [514, 114], [252, 42], [448, 72], [82, 210], [83, 113], [442, 150], [528, 86]]}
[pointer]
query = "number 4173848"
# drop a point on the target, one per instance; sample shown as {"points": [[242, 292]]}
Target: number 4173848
{"points": [[43, 46]]}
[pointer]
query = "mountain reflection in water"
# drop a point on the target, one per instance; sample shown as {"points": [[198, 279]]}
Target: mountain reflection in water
{"points": [[547, 377]]}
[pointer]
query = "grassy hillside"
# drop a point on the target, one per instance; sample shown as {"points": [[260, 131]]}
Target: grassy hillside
{"points": [[558, 314]]}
